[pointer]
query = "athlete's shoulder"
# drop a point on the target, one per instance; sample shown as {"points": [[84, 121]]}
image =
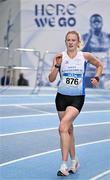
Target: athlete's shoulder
{"points": [[64, 55], [85, 55], [81, 53], [88, 55]]}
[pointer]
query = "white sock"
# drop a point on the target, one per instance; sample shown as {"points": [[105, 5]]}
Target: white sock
{"points": [[74, 160], [64, 165]]}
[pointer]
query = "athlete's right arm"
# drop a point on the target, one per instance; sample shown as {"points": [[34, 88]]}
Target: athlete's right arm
{"points": [[55, 67]]}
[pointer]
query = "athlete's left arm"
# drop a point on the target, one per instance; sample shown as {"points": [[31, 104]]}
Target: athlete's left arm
{"points": [[97, 63]]}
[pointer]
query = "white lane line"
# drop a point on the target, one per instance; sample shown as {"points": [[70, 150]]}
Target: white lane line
{"points": [[54, 128], [27, 104], [105, 93], [48, 152], [33, 95], [50, 103], [50, 114], [100, 175], [29, 115], [31, 131], [31, 108]]}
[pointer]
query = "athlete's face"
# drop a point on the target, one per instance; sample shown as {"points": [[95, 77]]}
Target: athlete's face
{"points": [[72, 42]]}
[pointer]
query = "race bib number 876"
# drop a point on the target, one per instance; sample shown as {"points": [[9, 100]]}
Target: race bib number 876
{"points": [[72, 79]]}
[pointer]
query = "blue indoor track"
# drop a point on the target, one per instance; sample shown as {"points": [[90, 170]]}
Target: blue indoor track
{"points": [[29, 139]]}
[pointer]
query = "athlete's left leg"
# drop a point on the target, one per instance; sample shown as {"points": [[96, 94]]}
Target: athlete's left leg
{"points": [[66, 137]]}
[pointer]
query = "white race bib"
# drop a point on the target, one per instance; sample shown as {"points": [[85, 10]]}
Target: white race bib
{"points": [[72, 80]]}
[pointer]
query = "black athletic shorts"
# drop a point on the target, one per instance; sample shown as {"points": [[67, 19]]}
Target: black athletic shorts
{"points": [[63, 101]]}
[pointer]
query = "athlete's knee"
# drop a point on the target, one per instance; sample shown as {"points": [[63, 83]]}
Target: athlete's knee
{"points": [[63, 128], [70, 130]]}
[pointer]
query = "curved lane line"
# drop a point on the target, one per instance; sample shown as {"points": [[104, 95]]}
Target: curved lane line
{"points": [[54, 128], [48, 152], [100, 175]]}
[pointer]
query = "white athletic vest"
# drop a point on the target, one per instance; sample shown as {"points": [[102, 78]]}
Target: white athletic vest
{"points": [[72, 74]]}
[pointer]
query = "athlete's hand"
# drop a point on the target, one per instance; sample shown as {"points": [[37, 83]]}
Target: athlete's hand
{"points": [[58, 58], [94, 82]]}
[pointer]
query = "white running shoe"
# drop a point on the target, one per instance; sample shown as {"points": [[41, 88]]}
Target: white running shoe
{"points": [[74, 167], [63, 171]]}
